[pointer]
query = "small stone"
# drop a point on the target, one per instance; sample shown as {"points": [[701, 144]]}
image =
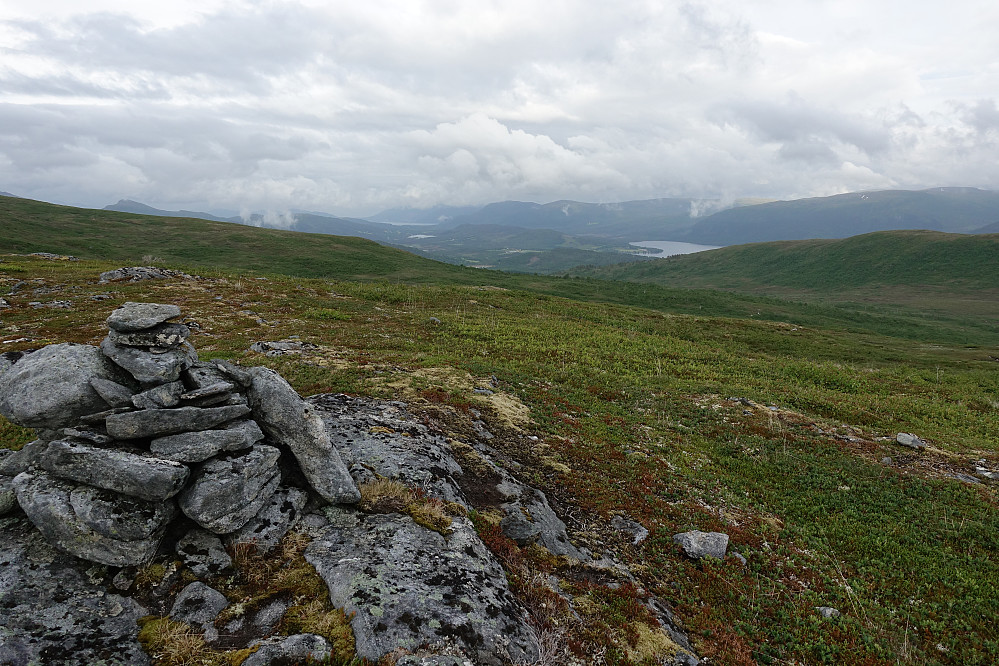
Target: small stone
{"points": [[300, 648], [162, 335], [203, 553], [86, 434], [151, 368], [267, 617], [198, 605], [159, 397], [138, 316], [886, 460], [698, 544], [635, 530], [16, 462], [117, 470], [827, 611], [741, 558], [910, 441], [275, 519], [115, 394], [219, 388], [157, 422], [100, 418], [191, 447]]}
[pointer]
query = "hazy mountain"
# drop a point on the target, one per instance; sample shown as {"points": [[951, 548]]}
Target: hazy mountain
{"points": [[950, 209], [434, 215], [8, 194], [129, 206]]}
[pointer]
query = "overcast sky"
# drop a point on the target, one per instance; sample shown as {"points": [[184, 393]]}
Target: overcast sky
{"points": [[352, 107]]}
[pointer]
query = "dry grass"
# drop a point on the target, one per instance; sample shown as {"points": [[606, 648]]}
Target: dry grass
{"points": [[390, 496]]}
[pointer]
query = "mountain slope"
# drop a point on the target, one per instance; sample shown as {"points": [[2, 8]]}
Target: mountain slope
{"points": [[940, 209]]}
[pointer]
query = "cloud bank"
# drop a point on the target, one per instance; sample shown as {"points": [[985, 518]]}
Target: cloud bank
{"points": [[355, 107]]}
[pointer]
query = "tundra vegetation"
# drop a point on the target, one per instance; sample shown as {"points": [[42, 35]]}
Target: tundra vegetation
{"points": [[778, 433]]}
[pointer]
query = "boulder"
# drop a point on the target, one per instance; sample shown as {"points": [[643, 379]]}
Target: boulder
{"points": [[225, 493], [50, 388], [48, 503], [408, 586], [635, 531], [191, 447], [297, 649], [203, 553], [274, 520], [148, 367], [158, 422], [910, 441], [293, 423], [54, 613], [698, 544], [121, 471], [138, 316], [161, 335]]}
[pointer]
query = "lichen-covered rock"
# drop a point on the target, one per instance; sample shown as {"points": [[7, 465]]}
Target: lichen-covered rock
{"points": [[118, 517], [50, 388], [291, 650], [52, 614], [8, 498], [385, 439], [138, 316], [159, 422], [225, 493], [115, 394], [160, 335], [410, 586], [16, 462], [48, 503], [274, 520], [530, 519], [191, 447], [293, 423], [203, 553], [151, 368], [118, 470], [697, 544]]}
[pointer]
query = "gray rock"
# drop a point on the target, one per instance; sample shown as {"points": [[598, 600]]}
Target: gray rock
{"points": [[50, 388], [138, 316], [198, 605], [151, 368], [293, 423], [967, 478], [118, 470], [159, 397], [530, 519], [204, 374], [233, 372], [203, 553], [698, 544], [210, 391], [113, 393], [8, 497], [267, 617], [158, 422], [48, 503], [635, 531], [276, 518], [85, 434], [140, 273], [193, 447], [408, 586], [910, 441], [741, 558], [292, 650], [827, 611], [100, 418], [16, 462], [118, 517], [161, 335], [226, 493], [53, 614], [375, 438], [433, 660]]}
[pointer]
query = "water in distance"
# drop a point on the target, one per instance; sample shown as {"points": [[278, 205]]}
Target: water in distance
{"points": [[671, 248]]}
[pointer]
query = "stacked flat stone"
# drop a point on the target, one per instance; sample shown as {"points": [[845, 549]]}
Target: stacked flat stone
{"points": [[138, 435]]}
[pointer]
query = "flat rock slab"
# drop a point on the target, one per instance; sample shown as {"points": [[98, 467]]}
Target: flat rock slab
{"points": [[225, 493], [297, 649], [52, 614], [113, 393], [293, 423], [159, 422], [191, 447], [48, 503], [147, 367], [698, 544], [410, 586], [123, 472], [50, 388], [138, 316], [159, 397], [161, 335]]}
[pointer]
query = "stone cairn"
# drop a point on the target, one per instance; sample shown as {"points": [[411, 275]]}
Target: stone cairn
{"points": [[137, 434]]}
